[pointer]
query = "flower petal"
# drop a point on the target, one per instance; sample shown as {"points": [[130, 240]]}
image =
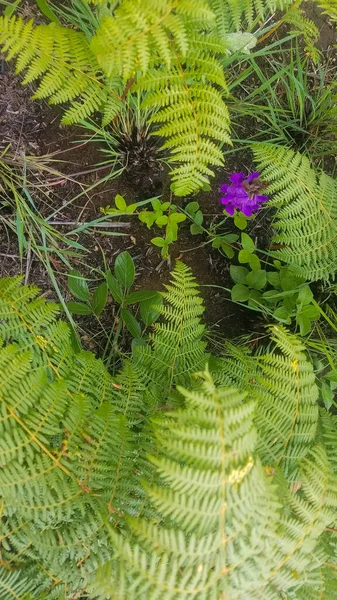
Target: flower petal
{"points": [[252, 176], [260, 198], [247, 211], [237, 177], [230, 209], [223, 188]]}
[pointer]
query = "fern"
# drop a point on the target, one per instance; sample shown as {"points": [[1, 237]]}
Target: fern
{"points": [[86, 512], [237, 14], [306, 218], [209, 544]]}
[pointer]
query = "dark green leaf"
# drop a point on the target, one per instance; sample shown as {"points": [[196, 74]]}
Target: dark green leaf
{"points": [[148, 309], [240, 293], [114, 287], [305, 295], [282, 314], [257, 279], [238, 274], [78, 285], [77, 308], [196, 229], [131, 323], [228, 250], [198, 217], [99, 298], [273, 277], [192, 207], [304, 324], [140, 296], [125, 269]]}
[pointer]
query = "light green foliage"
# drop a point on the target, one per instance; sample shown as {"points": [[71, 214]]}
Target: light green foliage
{"points": [[237, 14], [306, 217], [244, 469]]}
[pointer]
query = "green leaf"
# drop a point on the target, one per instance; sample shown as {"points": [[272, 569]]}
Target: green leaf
{"points": [[198, 217], [230, 237], [162, 220], [177, 217], [240, 222], [274, 279], [217, 242], [244, 256], [47, 11], [196, 229], [99, 298], [11, 8], [254, 299], [254, 262], [131, 323], [288, 283], [140, 296], [238, 274], [310, 311], [228, 250], [78, 285], [304, 324], [125, 269], [257, 279], [158, 241], [192, 207], [147, 217], [120, 202], [156, 204], [247, 243], [305, 295], [240, 293], [114, 287], [281, 314], [77, 308], [148, 309]]}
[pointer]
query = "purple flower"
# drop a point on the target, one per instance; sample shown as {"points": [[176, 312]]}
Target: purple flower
{"points": [[242, 193]]}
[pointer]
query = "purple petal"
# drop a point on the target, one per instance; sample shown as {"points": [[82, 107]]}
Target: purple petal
{"points": [[223, 188], [230, 209], [224, 200], [237, 177], [260, 198], [252, 176], [247, 211]]}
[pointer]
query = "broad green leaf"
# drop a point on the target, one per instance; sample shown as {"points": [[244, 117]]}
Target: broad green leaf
{"points": [[99, 298], [78, 285], [257, 279], [274, 279], [244, 256], [11, 8], [247, 243], [120, 202], [228, 250], [304, 324], [192, 207], [140, 296], [310, 311], [177, 217], [131, 323], [282, 314], [196, 229], [162, 220], [230, 237], [254, 262], [125, 269], [240, 222], [238, 274], [147, 217], [148, 309], [77, 308], [198, 217], [114, 287], [240, 293], [158, 241], [305, 295]]}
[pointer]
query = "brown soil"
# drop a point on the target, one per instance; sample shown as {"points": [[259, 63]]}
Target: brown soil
{"points": [[32, 128]]}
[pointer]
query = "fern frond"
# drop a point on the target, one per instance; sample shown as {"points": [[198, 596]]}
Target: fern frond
{"points": [[62, 61], [240, 14], [138, 31], [223, 514], [306, 219]]}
